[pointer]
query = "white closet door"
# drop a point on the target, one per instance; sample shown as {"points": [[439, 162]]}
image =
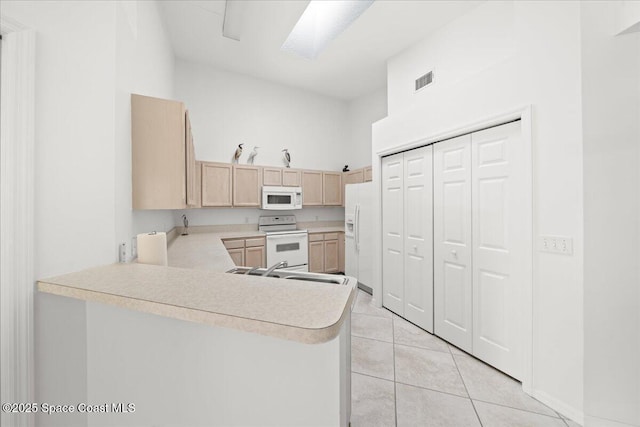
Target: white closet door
{"points": [[452, 241], [499, 245], [418, 237], [392, 232]]}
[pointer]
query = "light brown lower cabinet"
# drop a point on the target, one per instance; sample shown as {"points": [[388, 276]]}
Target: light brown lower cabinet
{"points": [[247, 252], [316, 257], [237, 255], [324, 253], [331, 257]]}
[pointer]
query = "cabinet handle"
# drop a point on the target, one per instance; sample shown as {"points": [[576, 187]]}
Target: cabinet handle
{"points": [[454, 253]]}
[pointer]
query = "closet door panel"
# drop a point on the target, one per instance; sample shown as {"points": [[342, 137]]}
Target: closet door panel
{"points": [[418, 237], [392, 232], [452, 241], [498, 246]]}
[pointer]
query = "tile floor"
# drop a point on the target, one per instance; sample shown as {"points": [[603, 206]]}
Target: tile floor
{"points": [[404, 376]]}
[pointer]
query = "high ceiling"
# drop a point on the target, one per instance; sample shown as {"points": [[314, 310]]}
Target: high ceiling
{"points": [[353, 65]]}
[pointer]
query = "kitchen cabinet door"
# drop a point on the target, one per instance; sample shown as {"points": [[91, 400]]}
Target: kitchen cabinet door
{"points": [[271, 176], [332, 188], [351, 177], [290, 178], [354, 176], [237, 255], [312, 188], [331, 257], [198, 186], [452, 288], [254, 256], [316, 257], [368, 174], [247, 185], [158, 153], [192, 187], [217, 185]]}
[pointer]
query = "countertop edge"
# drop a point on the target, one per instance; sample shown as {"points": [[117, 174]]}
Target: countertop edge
{"points": [[292, 333]]}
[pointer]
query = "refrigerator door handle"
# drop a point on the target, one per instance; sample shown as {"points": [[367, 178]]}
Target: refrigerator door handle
{"points": [[357, 228]]}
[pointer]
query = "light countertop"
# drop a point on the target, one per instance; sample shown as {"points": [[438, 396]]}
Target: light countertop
{"points": [[195, 288]]}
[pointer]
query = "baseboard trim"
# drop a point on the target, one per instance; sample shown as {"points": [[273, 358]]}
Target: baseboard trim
{"points": [[559, 406]]}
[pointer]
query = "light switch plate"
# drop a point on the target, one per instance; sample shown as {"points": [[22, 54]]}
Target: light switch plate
{"points": [[556, 244]]}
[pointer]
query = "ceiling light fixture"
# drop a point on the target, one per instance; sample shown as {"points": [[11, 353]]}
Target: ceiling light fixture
{"points": [[321, 22], [232, 23]]}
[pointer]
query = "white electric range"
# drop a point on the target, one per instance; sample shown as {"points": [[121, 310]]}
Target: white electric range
{"points": [[285, 243]]}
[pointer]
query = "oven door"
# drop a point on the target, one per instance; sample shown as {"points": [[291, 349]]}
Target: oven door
{"points": [[289, 247]]}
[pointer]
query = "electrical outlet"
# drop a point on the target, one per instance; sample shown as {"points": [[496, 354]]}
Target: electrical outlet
{"points": [[122, 254], [557, 244]]}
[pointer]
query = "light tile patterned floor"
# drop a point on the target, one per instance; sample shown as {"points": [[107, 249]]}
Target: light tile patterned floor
{"points": [[404, 376]]}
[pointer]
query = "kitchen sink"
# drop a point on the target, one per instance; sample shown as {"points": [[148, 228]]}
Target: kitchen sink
{"points": [[292, 275]]}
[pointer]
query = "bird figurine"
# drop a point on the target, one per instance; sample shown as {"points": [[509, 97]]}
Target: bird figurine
{"points": [[286, 157], [252, 155], [185, 221], [345, 168], [238, 153]]}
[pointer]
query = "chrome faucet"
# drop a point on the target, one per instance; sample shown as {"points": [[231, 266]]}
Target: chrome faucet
{"points": [[274, 266]]}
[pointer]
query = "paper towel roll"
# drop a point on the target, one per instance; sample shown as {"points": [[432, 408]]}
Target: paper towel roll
{"points": [[152, 248]]}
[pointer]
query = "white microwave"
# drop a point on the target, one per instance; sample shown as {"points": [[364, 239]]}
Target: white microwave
{"points": [[281, 198]]}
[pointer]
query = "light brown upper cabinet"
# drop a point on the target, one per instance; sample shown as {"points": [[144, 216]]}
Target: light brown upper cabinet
{"points": [[217, 180], [162, 155], [271, 176], [312, 188], [291, 178], [368, 174], [354, 177], [192, 175], [332, 188], [247, 186], [198, 185]]}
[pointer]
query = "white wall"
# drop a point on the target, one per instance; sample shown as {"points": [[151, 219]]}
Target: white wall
{"points": [[227, 109], [89, 56], [320, 132], [74, 149], [611, 108], [144, 65], [498, 58], [362, 113]]}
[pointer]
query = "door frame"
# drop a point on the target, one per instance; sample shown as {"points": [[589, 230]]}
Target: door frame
{"points": [[524, 114], [17, 284]]}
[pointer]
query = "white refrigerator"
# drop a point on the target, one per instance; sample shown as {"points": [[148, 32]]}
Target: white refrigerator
{"points": [[358, 223]]}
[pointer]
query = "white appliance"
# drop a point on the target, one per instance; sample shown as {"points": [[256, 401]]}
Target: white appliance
{"points": [[285, 243], [358, 223], [281, 198]]}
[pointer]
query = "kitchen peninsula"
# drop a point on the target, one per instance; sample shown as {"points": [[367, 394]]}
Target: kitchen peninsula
{"points": [[193, 346]]}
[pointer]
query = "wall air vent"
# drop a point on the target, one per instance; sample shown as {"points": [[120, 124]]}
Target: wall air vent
{"points": [[425, 80]]}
